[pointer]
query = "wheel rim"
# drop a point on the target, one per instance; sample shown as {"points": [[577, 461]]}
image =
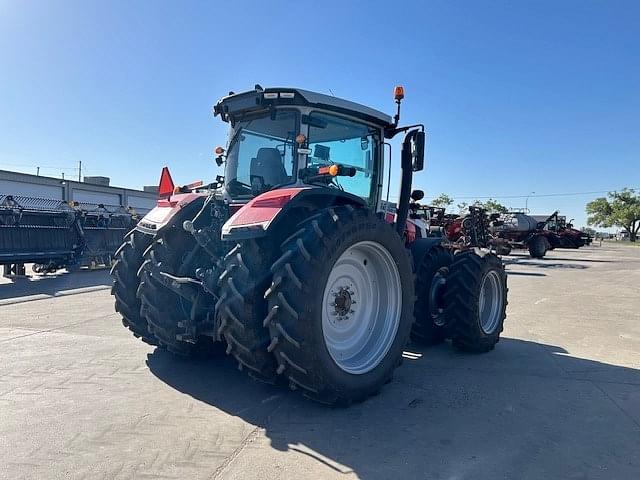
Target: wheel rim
{"points": [[490, 304], [361, 307], [436, 296]]}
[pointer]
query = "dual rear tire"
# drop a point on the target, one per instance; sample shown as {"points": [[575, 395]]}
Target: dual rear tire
{"points": [[337, 311], [124, 271], [176, 313]]}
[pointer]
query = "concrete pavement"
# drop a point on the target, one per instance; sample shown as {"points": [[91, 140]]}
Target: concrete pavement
{"points": [[558, 398]]}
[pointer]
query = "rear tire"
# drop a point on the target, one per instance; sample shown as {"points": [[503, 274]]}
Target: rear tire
{"points": [[174, 320], [339, 249], [476, 299], [242, 308], [538, 246], [128, 259], [430, 315]]}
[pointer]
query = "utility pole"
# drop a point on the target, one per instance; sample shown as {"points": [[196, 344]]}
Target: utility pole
{"points": [[63, 175], [79, 171], [526, 202], [37, 171]]}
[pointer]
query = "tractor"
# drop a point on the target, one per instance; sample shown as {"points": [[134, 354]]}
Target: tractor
{"points": [[290, 262]]}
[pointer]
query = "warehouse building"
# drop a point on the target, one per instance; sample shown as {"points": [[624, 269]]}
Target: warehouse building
{"points": [[93, 190]]}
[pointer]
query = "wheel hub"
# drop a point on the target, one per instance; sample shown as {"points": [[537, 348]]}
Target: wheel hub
{"points": [[490, 302], [436, 296], [343, 302]]}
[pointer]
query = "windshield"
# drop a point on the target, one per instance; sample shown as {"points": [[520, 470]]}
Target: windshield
{"points": [[334, 139], [261, 153]]}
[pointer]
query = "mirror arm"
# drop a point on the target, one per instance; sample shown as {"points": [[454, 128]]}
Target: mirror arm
{"points": [[389, 174], [392, 132]]}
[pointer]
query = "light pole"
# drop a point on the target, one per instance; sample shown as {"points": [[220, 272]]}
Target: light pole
{"points": [[526, 202]]}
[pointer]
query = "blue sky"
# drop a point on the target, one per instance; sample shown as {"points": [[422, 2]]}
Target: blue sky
{"points": [[516, 96]]}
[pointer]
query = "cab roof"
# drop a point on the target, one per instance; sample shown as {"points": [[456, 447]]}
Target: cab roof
{"points": [[235, 105]]}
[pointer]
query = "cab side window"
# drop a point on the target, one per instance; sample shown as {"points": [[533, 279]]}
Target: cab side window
{"points": [[336, 140]]}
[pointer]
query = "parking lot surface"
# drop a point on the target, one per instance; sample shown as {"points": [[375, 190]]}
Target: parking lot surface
{"points": [[559, 397]]}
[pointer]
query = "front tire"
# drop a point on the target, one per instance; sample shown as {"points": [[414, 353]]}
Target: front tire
{"points": [[430, 317], [476, 300], [340, 305]]}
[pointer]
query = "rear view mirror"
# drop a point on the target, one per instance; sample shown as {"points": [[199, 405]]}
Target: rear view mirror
{"points": [[417, 153], [417, 195]]}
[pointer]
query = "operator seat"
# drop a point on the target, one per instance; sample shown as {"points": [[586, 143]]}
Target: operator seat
{"points": [[267, 169]]}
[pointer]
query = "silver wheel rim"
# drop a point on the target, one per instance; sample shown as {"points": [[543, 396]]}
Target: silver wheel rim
{"points": [[436, 307], [361, 307], [490, 304]]}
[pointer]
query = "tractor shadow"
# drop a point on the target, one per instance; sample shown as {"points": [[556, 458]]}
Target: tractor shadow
{"points": [[587, 260], [512, 413], [526, 274], [52, 283], [550, 263]]}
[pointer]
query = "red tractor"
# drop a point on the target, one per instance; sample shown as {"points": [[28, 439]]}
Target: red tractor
{"points": [[287, 261]]}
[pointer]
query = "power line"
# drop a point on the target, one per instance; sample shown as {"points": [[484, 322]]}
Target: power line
{"points": [[569, 194], [542, 195]]}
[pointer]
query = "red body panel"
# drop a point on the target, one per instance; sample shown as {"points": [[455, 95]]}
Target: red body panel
{"points": [[263, 208], [179, 199], [165, 210]]}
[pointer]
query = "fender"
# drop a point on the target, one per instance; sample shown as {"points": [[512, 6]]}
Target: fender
{"points": [[421, 247], [166, 209], [263, 213]]}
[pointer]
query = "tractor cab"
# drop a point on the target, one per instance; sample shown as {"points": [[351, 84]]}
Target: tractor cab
{"points": [[285, 138], [289, 137]]}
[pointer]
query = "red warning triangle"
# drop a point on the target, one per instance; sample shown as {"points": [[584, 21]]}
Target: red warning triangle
{"points": [[165, 189]]}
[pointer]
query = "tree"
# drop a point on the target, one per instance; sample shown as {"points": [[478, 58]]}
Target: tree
{"points": [[443, 200], [493, 206], [621, 209]]}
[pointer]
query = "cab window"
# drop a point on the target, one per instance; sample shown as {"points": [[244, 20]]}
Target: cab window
{"points": [[336, 140]]}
